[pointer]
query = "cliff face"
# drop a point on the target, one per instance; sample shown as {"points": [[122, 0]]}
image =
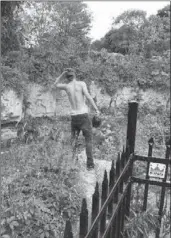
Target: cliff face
{"points": [[48, 104], [39, 104], [44, 103], [11, 106]]}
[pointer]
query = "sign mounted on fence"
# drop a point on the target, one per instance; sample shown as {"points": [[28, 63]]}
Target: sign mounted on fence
{"points": [[157, 170]]}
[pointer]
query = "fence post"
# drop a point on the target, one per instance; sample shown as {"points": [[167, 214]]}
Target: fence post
{"points": [[131, 127], [167, 155], [114, 228], [128, 200], [124, 158], [103, 199], [68, 230], [150, 150], [116, 194], [83, 219], [111, 184], [95, 208], [122, 164], [168, 149], [124, 216], [118, 218]]}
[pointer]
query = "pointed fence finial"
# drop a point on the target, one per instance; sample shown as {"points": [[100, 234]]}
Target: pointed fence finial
{"points": [[168, 143], [150, 148], [103, 199], [68, 230], [95, 208], [112, 176], [83, 219], [151, 141]]}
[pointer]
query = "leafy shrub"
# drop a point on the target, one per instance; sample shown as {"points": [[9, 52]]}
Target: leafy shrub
{"points": [[38, 191], [141, 223], [13, 78]]}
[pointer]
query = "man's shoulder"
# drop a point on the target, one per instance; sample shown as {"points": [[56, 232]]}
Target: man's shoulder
{"points": [[82, 83]]}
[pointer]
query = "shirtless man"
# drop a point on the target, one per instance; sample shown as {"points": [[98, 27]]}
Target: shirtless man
{"points": [[77, 93]]}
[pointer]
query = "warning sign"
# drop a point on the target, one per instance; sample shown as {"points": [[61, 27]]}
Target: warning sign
{"points": [[157, 170]]}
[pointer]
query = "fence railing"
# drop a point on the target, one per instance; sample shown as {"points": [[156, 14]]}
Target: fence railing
{"points": [[162, 182], [111, 209]]}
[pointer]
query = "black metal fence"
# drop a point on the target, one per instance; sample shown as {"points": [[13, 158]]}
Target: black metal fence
{"points": [[149, 180], [111, 208]]}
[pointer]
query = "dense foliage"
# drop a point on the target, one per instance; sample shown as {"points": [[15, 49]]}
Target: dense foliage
{"points": [[11, 36], [144, 42], [54, 37], [12, 41], [38, 184], [132, 31], [57, 34], [39, 40]]}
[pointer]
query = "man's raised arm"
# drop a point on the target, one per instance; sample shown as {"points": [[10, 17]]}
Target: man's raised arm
{"points": [[89, 98], [58, 83]]}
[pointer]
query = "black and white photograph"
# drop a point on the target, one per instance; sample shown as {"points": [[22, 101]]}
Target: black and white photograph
{"points": [[85, 119]]}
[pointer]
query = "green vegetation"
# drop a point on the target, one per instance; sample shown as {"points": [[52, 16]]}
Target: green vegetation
{"points": [[38, 182]]}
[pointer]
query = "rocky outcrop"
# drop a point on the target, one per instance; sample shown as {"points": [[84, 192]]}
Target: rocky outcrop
{"points": [[160, 67], [11, 107], [7, 135], [103, 100], [46, 103], [11, 114], [40, 103]]}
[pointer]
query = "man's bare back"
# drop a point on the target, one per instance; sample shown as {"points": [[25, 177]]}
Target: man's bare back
{"points": [[77, 93]]}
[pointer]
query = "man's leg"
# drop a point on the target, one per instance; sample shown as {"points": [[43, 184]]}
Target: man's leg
{"points": [[74, 138], [87, 133]]}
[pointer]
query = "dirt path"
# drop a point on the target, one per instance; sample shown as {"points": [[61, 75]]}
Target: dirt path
{"points": [[88, 179]]}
